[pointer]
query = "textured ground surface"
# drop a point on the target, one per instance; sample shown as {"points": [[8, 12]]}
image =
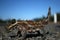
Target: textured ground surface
{"points": [[51, 32]]}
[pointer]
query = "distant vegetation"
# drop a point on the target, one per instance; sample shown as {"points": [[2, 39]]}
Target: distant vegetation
{"points": [[2, 21], [8, 21], [39, 19], [35, 19], [58, 16], [51, 18]]}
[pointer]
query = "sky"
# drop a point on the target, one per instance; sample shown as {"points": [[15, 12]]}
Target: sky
{"points": [[27, 9]]}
